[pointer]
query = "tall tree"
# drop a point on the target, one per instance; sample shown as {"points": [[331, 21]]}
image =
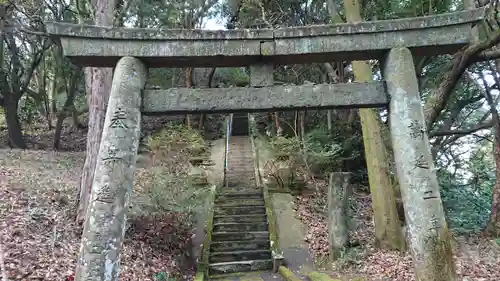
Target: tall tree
{"points": [[25, 51], [493, 227], [99, 80], [387, 226]]}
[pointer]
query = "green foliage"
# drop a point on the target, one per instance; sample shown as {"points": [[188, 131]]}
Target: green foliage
{"points": [[165, 193], [467, 208], [321, 150], [188, 140], [166, 188], [318, 154], [281, 145], [164, 276]]}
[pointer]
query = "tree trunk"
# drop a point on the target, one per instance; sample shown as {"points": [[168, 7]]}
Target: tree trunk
{"points": [[296, 125], [11, 100], [189, 84], [16, 139], [277, 122], [387, 227], [101, 80], [68, 108], [97, 101], [493, 228], [329, 120], [430, 240], [303, 125]]}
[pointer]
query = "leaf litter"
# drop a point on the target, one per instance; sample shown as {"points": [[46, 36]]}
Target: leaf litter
{"points": [[38, 234], [477, 257]]}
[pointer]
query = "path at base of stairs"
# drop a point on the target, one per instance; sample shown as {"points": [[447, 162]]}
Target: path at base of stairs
{"points": [[291, 233]]}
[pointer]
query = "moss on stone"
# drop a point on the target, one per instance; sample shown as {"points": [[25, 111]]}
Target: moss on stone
{"points": [[200, 276], [440, 258], [288, 274], [318, 276]]}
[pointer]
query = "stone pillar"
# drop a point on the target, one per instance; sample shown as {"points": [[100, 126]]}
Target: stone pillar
{"points": [[429, 238], [337, 213], [105, 219]]}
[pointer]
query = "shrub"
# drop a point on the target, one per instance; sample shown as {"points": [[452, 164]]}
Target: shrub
{"points": [[187, 140], [162, 193], [322, 152], [467, 209]]}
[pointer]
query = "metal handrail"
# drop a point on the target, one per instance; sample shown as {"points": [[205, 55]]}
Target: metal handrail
{"points": [[229, 130]]}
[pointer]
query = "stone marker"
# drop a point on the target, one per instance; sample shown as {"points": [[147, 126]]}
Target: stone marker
{"points": [[105, 220], [429, 240], [337, 213]]}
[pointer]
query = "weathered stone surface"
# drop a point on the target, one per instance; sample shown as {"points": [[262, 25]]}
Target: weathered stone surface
{"points": [[247, 255], [182, 100], [381, 26], [240, 210], [105, 220], [227, 196], [240, 266], [429, 236], [240, 236], [337, 213], [261, 75], [224, 201], [240, 218], [99, 32], [365, 46], [240, 227], [239, 245], [99, 46]]}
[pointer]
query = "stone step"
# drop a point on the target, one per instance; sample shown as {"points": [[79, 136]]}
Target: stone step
{"points": [[229, 276], [239, 266], [225, 246], [236, 172], [240, 227], [240, 219], [239, 202], [239, 195], [239, 189], [239, 236], [239, 210], [217, 257]]}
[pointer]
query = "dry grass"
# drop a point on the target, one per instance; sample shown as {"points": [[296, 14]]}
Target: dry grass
{"points": [[38, 235], [477, 258]]}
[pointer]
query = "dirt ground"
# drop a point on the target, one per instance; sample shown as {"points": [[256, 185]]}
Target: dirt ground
{"points": [[40, 241], [477, 258], [39, 238]]}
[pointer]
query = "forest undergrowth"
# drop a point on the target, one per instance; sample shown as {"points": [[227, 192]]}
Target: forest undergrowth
{"points": [[477, 256], [38, 234]]}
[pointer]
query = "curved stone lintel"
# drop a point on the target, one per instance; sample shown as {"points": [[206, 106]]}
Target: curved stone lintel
{"points": [[103, 46]]}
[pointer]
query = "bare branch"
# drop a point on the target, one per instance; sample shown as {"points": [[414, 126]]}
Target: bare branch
{"points": [[462, 132], [461, 60]]}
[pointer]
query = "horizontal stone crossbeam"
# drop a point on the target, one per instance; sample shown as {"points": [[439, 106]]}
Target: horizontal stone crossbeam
{"points": [[103, 47], [214, 100]]}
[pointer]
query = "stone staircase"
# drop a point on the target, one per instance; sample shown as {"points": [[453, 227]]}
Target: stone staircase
{"points": [[240, 237]]}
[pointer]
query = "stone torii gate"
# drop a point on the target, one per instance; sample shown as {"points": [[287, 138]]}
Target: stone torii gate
{"points": [[133, 51]]}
